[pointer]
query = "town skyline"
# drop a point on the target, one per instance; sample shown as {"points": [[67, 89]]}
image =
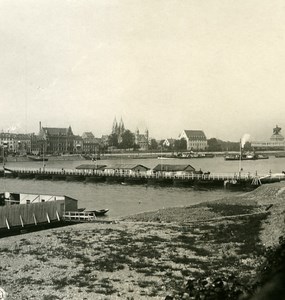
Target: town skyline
{"points": [[246, 137], [165, 66]]}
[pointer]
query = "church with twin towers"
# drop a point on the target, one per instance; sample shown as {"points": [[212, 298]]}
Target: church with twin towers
{"points": [[142, 140]]}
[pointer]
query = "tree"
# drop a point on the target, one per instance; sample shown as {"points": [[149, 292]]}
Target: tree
{"points": [[214, 145], [153, 144], [180, 145], [183, 144], [128, 140], [113, 140]]}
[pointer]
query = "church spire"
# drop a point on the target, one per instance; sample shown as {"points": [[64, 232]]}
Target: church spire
{"points": [[121, 126], [115, 126]]}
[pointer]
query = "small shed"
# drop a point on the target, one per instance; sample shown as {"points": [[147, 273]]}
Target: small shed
{"points": [[178, 169], [126, 169], [90, 167]]}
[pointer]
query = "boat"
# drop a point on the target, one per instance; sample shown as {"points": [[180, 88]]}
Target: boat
{"points": [[98, 212], [37, 158], [248, 156], [280, 155], [262, 156], [191, 154], [232, 157], [91, 157], [81, 209]]}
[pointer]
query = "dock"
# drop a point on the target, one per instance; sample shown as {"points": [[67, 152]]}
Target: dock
{"points": [[79, 216]]}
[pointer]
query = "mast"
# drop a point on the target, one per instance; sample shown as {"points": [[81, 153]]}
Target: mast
{"points": [[43, 157], [4, 145], [240, 153]]}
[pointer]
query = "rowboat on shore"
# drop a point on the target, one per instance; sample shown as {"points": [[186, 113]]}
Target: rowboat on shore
{"points": [[98, 212]]}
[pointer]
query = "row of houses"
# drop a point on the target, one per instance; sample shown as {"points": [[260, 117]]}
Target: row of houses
{"points": [[54, 140]]}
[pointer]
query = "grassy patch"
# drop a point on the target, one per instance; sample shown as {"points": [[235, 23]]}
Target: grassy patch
{"points": [[231, 209]]}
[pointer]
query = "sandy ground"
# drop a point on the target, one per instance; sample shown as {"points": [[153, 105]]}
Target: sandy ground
{"points": [[146, 256]]}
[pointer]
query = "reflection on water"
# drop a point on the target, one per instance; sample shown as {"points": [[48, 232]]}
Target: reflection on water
{"points": [[124, 200]]}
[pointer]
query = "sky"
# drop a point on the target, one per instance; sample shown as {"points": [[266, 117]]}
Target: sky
{"points": [[165, 65]]}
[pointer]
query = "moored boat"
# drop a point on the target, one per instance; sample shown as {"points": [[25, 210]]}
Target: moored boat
{"points": [[98, 212], [37, 158], [248, 156], [262, 156]]}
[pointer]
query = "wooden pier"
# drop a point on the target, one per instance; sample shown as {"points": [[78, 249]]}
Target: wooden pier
{"points": [[79, 216], [147, 178]]}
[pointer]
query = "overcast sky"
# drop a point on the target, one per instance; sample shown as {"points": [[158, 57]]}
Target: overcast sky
{"points": [[215, 65]]}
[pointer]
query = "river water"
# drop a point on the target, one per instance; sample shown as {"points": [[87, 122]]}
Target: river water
{"points": [[123, 200]]}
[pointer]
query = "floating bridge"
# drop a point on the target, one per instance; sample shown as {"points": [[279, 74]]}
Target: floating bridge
{"points": [[159, 178]]}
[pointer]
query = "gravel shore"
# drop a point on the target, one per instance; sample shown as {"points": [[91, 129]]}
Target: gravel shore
{"points": [[145, 256]]}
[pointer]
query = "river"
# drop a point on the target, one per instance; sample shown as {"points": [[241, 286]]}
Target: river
{"points": [[123, 200]]}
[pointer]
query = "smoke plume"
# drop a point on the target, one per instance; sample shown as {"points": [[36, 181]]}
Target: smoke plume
{"points": [[244, 139]]}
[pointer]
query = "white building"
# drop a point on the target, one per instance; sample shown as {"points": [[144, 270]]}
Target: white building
{"points": [[276, 141], [196, 139]]}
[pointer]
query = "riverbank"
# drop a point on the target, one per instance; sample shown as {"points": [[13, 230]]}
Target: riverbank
{"points": [[146, 256], [49, 157]]}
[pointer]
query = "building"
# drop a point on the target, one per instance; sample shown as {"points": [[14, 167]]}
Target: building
{"points": [[177, 169], [118, 129], [91, 167], [196, 139], [78, 144], [169, 143], [23, 144], [142, 140], [21, 210], [54, 140], [16, 143], [125, 169], [276, 141], [91, 145]]}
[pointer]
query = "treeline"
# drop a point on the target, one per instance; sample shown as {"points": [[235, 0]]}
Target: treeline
{"points": [[215, 145]]}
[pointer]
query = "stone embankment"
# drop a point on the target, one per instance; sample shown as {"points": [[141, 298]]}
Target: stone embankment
{"points": [[214, 248]]}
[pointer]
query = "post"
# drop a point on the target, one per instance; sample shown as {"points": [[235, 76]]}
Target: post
{"points": [[7, 223], [240, 160], [4, 145], [3, 157], [43, 157]]}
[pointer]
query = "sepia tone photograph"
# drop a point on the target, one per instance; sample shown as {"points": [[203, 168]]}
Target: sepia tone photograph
{"points": [[142, 150]]}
